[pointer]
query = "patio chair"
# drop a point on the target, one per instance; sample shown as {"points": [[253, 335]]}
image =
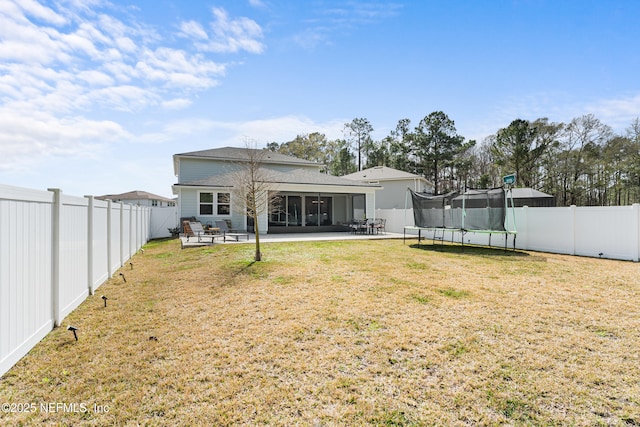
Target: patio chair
{"points": [[379, 225], [359, 226], [365, 226], [227, 232], [196, 229], [186, 229]]}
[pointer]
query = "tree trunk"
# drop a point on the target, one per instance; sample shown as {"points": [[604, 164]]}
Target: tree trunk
{"points": [[256, 230]]}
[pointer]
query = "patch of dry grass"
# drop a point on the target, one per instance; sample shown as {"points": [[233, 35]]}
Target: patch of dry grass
{"points": [[345, 333]]}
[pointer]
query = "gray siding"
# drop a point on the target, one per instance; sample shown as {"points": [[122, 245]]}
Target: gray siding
{"points": [[189, 207], [197, 169], [393, 195]]}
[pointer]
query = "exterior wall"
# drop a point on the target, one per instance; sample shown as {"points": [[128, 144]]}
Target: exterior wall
{"points": [[340, 209], [54, 251], [394, 194], [196, 169], [189, 206]]}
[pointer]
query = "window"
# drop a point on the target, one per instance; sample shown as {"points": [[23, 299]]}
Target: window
{"points": [[224, 204], [214, 204], [206, 203], [154, 203]]}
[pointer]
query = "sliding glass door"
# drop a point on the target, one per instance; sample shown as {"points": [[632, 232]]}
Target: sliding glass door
{"points": [[294, 210], [310, 210], [318, 211]]}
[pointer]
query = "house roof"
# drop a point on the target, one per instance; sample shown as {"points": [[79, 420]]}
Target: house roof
{"points": [[528, 193], [382, 173], [297, 176], [241, 154], [133, 195]]}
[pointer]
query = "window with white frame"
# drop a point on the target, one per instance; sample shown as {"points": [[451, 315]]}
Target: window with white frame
{"points": [[224, 203], [206, 203], [210, 203]]}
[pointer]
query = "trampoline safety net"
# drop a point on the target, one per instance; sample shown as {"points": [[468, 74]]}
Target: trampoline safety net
{"points": [[472, 210]]}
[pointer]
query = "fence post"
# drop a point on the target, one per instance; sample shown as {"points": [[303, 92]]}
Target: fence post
{"points": [[636, 236], [90, 213], [56, 213], [132, 236], [120, 262], [109, 275], [573, 229]]}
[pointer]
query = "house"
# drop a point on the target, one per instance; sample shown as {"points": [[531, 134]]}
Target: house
{"points": [[393, 195], [140, 198], [300, 198], [532, 198]]}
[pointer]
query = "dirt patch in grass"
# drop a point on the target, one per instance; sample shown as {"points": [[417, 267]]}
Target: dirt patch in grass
{"points": [[343, 333]]}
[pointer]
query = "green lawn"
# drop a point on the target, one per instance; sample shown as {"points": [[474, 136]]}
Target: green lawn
{"points": [[343, 333]]}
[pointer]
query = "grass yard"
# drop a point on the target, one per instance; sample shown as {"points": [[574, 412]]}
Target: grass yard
{"points": [[343, 333]]}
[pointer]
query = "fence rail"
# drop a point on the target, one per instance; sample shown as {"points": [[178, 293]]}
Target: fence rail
{"points": [[55, 250]]}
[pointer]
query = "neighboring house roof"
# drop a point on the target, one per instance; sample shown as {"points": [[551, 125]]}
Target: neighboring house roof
{"points": [[236, 154], [297, 176], [383, 173], [532, 198], [134, 195], [528, 193]]}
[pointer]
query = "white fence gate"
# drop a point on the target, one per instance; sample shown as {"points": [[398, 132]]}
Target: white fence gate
{"points": [[55, 250], [162, 219]]}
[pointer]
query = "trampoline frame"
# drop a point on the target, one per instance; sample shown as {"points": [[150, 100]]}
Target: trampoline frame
{"points": [[506, 232]]}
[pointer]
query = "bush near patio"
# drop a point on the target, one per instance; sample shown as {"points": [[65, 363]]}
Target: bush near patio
{"points": [[344, 333]]}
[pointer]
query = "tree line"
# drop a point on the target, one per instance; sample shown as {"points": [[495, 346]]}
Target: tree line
{"points": [[583, 162]]}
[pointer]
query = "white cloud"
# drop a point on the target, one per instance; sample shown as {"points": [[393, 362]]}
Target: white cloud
{"points": [[194, 30], [257, 3], [62, 62], [28, 139], [263, 131], [175, 67], [343, 17], [176, 104], [312, 37], [558, 107], [96, 78], [228, 35], [617, 113], [36, 10], [286, 128]]}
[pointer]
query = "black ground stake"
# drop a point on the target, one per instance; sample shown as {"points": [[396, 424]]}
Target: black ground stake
{"points": [[131, 264], [73, 329], [123, 278], [105, 300]]}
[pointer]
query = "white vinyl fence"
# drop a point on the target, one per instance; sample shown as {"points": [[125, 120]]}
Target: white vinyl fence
{"points": [[603, 231], [55, 250]]}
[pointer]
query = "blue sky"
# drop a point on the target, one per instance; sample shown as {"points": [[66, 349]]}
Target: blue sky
{"points": [[96, 96]]}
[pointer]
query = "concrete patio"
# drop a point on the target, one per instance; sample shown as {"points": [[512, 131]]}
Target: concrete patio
{"points": [[290, 237]]}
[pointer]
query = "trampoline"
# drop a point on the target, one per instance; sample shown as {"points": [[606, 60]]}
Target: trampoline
{"points": [[474, 211]]}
